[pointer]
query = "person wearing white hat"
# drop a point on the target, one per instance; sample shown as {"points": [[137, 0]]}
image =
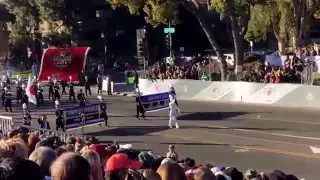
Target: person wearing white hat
{"points": [[8, 103], [51, 85], [104, 110], [87, 87], [173, 111], [71, 90], [59, 117], [139, 105]]}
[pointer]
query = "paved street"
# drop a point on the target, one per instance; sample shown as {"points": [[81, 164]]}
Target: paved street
{"points": [[245, 136]]}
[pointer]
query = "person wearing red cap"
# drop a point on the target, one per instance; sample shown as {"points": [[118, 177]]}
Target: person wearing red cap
{"points": [[121, 161]]}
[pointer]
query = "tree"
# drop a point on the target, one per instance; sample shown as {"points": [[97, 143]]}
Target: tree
{"points": [[26, 22], [237, 13], [165, 11], [287, 19]]}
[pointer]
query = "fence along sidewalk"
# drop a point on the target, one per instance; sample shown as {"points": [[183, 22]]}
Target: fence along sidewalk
{"points": [[64, 136], [6, 124]]}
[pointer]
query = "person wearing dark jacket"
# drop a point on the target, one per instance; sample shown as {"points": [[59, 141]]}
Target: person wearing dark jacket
{"points": [[51, 85], [81, 98], [87, 87], [59, 118], [139, 105], [43, 123]]}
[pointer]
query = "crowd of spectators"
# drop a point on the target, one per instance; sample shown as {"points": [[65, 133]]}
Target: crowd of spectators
{"points": [[196, 69], [34, 157], [291, 72], [189, 70]]}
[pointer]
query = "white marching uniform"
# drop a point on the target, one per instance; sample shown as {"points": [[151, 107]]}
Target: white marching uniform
{"points": [[173, 111]]}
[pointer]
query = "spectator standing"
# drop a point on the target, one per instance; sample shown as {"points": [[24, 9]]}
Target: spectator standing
{"points": [[95, 164], [172, 153], [43, 123], [70, 166]]}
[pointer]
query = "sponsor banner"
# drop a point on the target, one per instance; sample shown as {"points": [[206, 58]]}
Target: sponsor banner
{"points": [[63, 63], [271, 93], [155, 102], [93, 114]]}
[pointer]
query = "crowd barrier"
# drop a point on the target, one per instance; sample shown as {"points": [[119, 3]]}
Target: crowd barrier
{"points": [[6, 124], [64, 136], [293, 95]]}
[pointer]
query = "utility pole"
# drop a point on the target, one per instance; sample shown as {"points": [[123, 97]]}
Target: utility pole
{"points": [[170, 41]]}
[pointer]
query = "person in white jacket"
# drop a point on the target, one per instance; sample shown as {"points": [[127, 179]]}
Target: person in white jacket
{"points": [[173, 111]]}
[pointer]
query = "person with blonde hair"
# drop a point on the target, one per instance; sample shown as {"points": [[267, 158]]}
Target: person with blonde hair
{"points": [[18, 147], [171, 171], [94, 160], [44, 157], [70, 166]]}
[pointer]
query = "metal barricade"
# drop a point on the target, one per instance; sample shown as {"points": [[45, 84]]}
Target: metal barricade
{"points": [[6, 124], [64, 136], [307, 74]]}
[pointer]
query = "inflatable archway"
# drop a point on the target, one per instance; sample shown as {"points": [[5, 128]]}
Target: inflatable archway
{"points": [[62, 63]]}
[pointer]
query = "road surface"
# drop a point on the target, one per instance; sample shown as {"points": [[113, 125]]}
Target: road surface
{"points": [[244, 136]]}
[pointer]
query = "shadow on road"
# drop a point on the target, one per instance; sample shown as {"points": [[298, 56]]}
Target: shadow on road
{"points": [[207, 144], [200, 116], [129, 131], [246, 128]]}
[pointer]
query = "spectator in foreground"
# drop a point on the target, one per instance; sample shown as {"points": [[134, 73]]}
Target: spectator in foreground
{"points": [[70, 166], [171, 171], [18, 168], [32, 141], [119, 167], [44, 157], [18, 147], [172, 153], [95, 164]]}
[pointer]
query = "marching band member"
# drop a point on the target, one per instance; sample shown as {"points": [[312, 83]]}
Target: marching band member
{"points": [[8, 102], [51, 85], [81, 98], [26, 118], [173, 111], [139, 105], [56, 91], [71, 90], [19, 90], [87, 86], [63, 86], [39, 95], [104, 110], [25, 99], [59, 118], [172, 91], [99, 82]]}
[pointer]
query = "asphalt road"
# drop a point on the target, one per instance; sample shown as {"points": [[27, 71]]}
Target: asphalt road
{"points": [[245, 136]]}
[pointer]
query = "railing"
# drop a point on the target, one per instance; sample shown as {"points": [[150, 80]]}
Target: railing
{"points": [[64, 136], [6, 124]]}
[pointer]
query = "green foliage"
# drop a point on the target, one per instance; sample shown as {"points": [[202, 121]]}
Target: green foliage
{"points": [[26, 20], [260, 23], [50, 10], [156, 11]]}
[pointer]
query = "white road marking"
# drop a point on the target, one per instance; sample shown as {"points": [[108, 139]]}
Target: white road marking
{"points": [[315, 150]]}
